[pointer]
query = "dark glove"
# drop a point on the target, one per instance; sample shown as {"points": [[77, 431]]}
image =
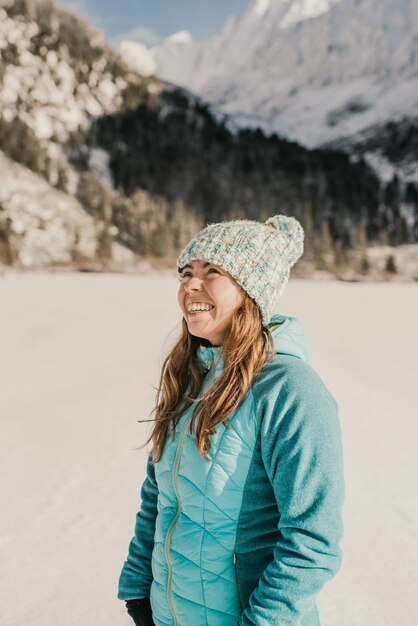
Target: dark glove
{"points": [[140, 611]]}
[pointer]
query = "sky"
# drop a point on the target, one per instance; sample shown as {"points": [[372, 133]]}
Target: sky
{"points": [[151, 20]]}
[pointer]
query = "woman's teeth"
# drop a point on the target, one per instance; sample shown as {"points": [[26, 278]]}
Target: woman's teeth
{"points": [[200, 308]]}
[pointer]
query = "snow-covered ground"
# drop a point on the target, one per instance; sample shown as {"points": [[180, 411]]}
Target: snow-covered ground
{"points": [[80, 354]]}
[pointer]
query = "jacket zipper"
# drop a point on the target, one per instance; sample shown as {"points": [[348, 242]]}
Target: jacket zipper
{"points": [[173, 521], [237, 583], [176, 516]]}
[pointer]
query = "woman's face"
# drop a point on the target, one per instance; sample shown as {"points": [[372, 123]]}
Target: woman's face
{"points": [[209, 284]]}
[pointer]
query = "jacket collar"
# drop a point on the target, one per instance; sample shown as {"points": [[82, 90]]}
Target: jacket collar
{"points": [[210, 356], [289, 338]]}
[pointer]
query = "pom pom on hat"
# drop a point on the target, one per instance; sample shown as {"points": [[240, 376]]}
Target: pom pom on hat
{"points": [[294, 232]]}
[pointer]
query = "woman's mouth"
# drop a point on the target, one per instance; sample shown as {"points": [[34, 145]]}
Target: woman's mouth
{"points": [[193, 313], [200, 309]]}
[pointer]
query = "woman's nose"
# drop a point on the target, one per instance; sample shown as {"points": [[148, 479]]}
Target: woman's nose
{"points": [[193, 283]]}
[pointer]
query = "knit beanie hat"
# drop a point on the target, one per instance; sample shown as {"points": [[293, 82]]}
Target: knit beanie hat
{"points": [[258, 256]]}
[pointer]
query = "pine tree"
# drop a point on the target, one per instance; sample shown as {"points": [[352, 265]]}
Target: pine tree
{"points": [[104, 237], [325, 255], [390, 265], [308, 226], [363, 263], [340, 255], [7, 253], [90, 193]]}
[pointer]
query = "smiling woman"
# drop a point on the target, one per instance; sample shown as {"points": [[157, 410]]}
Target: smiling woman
{"points": [[208, 297], [240, 519]]}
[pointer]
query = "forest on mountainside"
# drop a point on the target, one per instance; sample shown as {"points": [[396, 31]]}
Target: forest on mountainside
{"points": [[178, 149]]}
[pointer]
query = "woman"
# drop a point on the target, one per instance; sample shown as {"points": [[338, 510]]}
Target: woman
{"points": [[240, 520]]}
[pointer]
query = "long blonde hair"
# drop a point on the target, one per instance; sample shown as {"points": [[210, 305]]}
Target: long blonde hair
{"points": [[246, 348]]}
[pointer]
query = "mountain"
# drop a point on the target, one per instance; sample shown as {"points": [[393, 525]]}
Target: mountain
{"points": [[57, 74], [47, 227], [89, 145], [319, 72]]}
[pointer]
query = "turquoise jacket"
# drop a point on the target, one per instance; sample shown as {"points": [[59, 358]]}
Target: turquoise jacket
{"points": [[250, 537]]}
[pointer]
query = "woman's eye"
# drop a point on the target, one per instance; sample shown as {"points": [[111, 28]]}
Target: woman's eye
{"points": [[212, 269]]}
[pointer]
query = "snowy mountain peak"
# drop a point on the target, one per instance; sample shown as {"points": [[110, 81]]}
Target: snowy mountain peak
{"points": [[261, 6], [181, 37], [138, 57], [315, 71], [300, 10]]}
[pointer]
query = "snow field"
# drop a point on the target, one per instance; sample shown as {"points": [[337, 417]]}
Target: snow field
{"points": [[80, 354]]}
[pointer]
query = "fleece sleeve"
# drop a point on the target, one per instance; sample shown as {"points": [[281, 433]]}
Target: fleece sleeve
{"points": [[136, 575], [302, 454]]}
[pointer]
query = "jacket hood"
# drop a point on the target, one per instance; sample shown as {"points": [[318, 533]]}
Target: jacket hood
{"points": [[289, 338]]}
